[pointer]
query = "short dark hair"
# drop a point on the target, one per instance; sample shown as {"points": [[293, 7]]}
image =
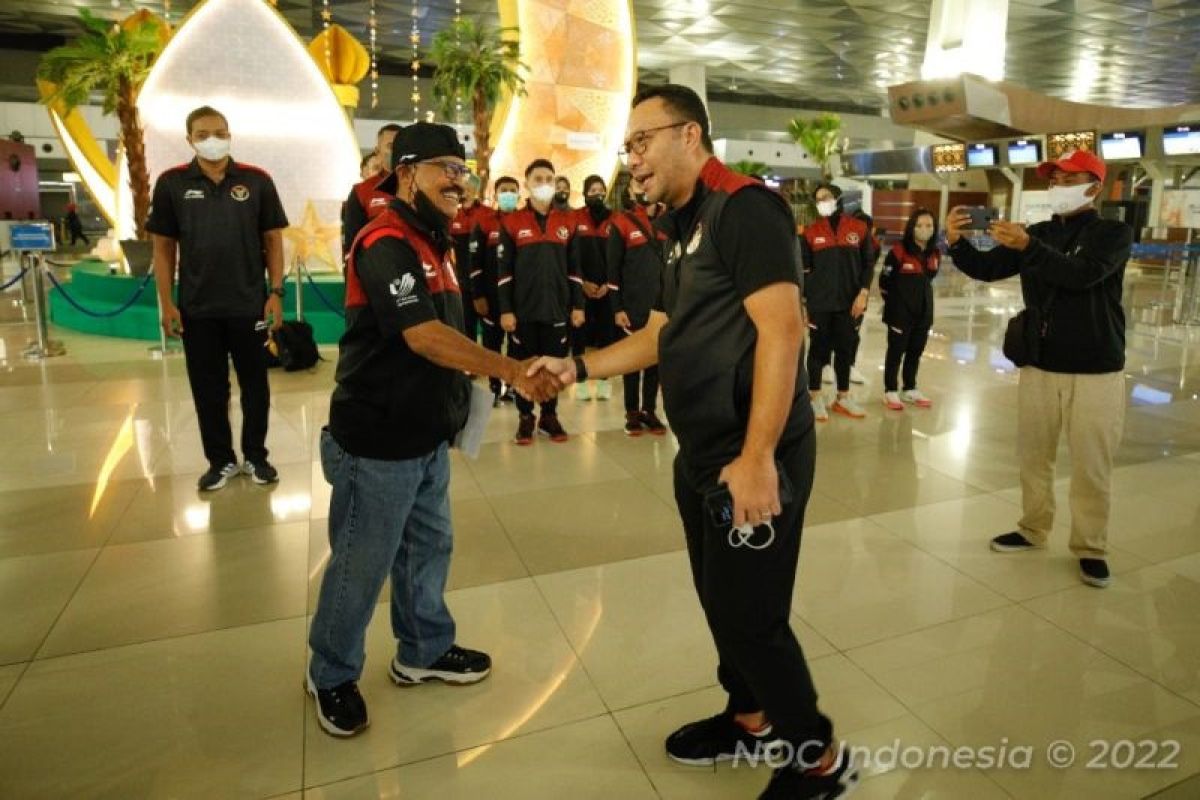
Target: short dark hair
{"points": [[391, 127], [538, 163], [833, 189], [503, 179], [684, 103], [562, 178], [591, 180], [200, 113]]}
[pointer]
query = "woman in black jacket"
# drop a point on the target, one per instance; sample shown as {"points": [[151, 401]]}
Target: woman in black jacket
{"points": [[906, 286]]}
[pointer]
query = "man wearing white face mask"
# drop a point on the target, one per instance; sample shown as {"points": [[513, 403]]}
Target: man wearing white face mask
{"points": [[1073, 338], [225, 222]]}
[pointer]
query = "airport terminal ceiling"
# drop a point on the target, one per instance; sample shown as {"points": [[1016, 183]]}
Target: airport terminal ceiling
{"points": [[840, 54]]}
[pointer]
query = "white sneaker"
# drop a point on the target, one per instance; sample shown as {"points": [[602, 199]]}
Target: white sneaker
{"points": [[827, 373], [820, 413], [856, 376], [583, 391], [892, 401], [603, 389], [847, 406], [915, 397]]}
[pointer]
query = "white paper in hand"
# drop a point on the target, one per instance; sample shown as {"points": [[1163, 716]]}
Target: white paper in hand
{"points": [[470, 437]]}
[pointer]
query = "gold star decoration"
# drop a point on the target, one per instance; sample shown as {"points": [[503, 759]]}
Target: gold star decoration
{"points": [[311, 238]]}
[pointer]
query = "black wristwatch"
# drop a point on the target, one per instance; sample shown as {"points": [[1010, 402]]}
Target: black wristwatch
{"points": [[278, 291], [581, 373]]}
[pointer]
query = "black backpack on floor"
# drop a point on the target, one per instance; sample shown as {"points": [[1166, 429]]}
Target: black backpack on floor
{"points": [[294, 346]]}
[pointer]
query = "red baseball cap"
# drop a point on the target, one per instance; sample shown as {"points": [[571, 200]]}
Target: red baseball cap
{"points": [[1075, 161]]}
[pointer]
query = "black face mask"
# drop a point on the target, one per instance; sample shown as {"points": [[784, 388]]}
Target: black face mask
{"points": [[430, 214], [595, 202], [561, 197]]}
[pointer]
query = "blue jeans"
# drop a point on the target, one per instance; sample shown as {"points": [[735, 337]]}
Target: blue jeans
{"points": [[385, 517]]}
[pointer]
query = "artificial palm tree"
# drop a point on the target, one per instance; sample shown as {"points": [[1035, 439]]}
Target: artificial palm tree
{"points": [[478, 62], [114, 60], [819, 138]]}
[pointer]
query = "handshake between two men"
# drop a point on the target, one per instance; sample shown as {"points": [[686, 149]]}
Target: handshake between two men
{"points": [[542, 378]]}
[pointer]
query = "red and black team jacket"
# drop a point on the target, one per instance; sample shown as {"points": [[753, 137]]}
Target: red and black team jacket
{"points": [[589, 244], [462, 230], [837, 264], [364, 204], [906, 284], [534, 277], [391, 403], [635, 260], [485, 240]]}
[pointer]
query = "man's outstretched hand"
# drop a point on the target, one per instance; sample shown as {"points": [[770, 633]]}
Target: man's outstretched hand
{"points": [[536, 386], [561, 369]]}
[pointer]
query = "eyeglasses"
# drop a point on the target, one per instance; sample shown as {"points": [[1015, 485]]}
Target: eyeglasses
{"points": [[454, 171], [637, 144]]}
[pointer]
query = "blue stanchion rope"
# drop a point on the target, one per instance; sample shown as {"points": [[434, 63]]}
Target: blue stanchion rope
{"points": [[101, 314], [321, 295], [15, 279]]}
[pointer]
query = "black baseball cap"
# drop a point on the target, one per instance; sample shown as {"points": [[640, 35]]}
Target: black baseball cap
{"points": [[420, 141]]}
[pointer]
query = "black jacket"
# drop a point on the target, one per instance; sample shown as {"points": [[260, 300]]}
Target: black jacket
{"points": [[534, 277], [838, 264], [906, 284], [1076, 265]]}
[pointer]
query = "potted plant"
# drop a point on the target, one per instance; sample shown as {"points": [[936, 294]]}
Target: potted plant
{"points": [[819, 137], [114, 60], [480, 63]]}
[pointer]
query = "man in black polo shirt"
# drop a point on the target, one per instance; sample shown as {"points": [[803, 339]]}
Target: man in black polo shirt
{"points": [[401, 396], [225, 222], [727, 335]]}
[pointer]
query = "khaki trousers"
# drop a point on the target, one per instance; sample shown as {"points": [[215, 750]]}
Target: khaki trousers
{"points": [[1091, 410]]}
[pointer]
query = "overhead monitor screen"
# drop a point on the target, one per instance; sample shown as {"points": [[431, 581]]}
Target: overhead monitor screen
{"points": [[1121, 145], [1182, 140], [981, 155], [1024, 151]]}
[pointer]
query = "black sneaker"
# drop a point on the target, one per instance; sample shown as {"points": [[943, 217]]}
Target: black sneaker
{"points": [[653, 424], [261, 472], [458, 667], [792, 783], [341, 710], [217, 477], [633, 423], [549, 425], [719, 738], [525, 430], [1094, 572], [1012, 543]]}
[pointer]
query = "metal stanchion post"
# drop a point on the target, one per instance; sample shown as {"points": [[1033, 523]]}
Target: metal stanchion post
{"points": [[44, 347], [297, 270], [23, 263]]}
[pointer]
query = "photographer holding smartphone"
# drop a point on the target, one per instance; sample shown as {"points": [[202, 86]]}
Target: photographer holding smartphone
{"points": [[1070, 345]]}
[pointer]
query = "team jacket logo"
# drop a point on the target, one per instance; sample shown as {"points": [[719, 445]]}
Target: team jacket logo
{"points": [[240, 193], [193, 194], [524, 233], [402, 289], [852, 238], [377, 201], [694, 244], [582, 229], [819, 240], [494, 236], [564, 233], [430, 271], [635, 235]]}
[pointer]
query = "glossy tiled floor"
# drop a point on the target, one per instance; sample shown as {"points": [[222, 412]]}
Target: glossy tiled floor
{"points": [[152, 641]]}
